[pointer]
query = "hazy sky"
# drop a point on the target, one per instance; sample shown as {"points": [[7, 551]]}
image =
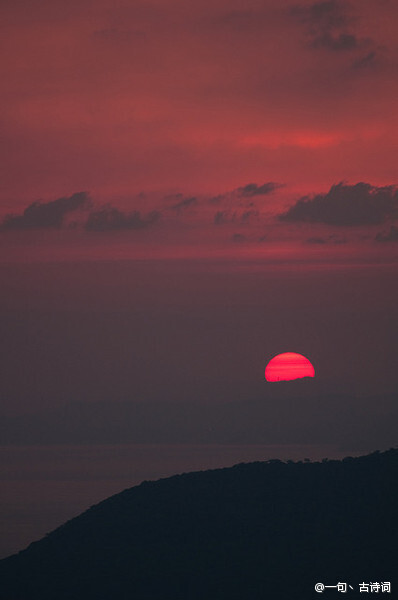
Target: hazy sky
{"points": [[257, 139], [166, 330]]}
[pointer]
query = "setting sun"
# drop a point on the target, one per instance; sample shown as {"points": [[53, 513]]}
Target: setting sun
{"points": [[288, 366]]}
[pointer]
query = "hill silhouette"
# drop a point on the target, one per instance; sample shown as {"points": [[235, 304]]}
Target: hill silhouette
{"points": [[249, 532]]}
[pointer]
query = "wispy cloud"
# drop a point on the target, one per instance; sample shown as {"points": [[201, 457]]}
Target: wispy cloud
{"points": [[110, 218], [222, 217], [365, 61], [46, 215], [330, 26], [327, 25], [184, 203], [245, 192], [253, 189], [360, 204]]}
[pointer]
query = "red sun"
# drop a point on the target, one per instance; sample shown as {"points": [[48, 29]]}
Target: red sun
{"points": [[288, 366]]}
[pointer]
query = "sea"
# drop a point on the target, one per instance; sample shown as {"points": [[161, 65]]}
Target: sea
{"points": [[42, 487]]}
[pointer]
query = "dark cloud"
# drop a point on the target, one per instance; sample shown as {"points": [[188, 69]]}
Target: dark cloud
{"points": [[112, 219], [388, 236], [365, 61], [329, 26], [217, 199], [247, 215], [222, 217], [325, 15], [253, 189], [45, 215], [250, 190], [360, 204], [343, 42], [184, 203]]}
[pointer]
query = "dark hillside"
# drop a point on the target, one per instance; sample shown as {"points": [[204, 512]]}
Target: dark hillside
{"points": [[250, 532]]}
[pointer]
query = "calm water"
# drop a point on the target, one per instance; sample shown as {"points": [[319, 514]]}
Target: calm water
{"points": [[44, 486]]}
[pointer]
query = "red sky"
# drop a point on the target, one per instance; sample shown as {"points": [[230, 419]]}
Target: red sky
{"points": [[134, 102], [257, 138]]}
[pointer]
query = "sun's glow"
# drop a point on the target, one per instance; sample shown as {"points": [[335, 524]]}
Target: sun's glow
{"points": [[288, 366]]}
